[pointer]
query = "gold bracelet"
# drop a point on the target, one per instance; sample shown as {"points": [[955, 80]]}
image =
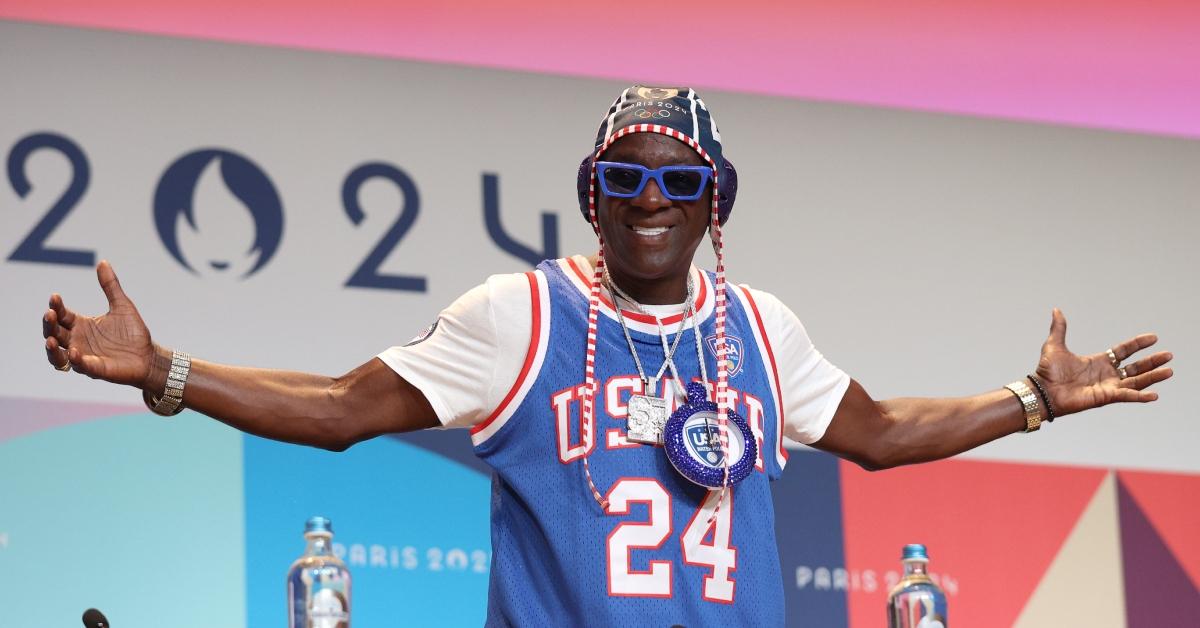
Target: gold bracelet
{"points": [[1029, 403]]}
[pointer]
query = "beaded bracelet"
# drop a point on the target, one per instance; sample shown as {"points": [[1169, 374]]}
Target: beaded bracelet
{"points": [[1045, 398]]}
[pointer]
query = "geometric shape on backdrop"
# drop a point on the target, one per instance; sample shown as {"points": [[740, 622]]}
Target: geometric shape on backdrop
{"points": [[1084, 586], [992, 530], [1158, 593], [25, 415], [1171, 502], [411, 525], [135, 515], [808, 527]]}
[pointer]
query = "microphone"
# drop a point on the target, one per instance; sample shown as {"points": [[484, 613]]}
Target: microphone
{"points": [[93, 618]]}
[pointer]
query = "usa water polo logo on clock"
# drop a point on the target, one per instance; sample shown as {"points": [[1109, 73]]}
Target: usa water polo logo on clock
{"points": [[703, 440], [733, 352]]}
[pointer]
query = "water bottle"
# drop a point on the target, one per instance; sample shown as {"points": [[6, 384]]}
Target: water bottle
{"points": [[915, 601], [318, 582]]}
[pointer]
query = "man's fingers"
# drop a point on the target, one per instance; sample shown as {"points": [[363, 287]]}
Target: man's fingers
{"points": [[54, 354], [1135, 396], [1133, 345], [66, 317], [110, 284], [1146, 380], [1058, 329], [51, 329], [1148, 364], [49, 322]]}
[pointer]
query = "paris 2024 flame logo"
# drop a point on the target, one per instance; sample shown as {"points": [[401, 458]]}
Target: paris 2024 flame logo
{"points": [[218, 214]]}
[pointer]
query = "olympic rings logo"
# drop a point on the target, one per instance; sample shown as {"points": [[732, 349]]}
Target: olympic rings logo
{"points": [[647, 114]]}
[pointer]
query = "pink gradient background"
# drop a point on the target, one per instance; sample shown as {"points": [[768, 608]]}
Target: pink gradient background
{"points": [[25, 416], [1114, 64]]}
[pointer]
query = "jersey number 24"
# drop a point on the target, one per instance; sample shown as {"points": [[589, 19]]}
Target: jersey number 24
{"points": [[718, 555]]}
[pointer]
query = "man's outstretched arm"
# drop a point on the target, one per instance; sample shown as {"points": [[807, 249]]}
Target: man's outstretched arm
{"points": [[328, 412], [883, 434]]}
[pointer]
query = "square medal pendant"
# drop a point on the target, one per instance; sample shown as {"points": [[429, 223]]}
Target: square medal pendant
{"points": [[647, 417]]}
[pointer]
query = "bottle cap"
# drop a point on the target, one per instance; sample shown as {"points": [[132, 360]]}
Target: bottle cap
{"points": [[914, 551], [318, 525]]}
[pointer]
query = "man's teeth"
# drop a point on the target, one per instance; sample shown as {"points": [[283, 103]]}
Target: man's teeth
{"points": [[650, 231]]}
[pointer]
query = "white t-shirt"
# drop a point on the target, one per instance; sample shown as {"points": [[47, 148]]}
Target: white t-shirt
{"points": [[469, 359]]}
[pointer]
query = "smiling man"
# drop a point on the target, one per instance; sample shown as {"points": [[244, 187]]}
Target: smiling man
{"points": [[651, 238], [633, 407]]}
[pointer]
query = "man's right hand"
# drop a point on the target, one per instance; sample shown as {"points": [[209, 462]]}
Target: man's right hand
{"points": [[114, 346], [328, 412]]}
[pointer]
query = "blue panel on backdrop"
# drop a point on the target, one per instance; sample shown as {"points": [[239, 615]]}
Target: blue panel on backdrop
{"points": [[412, 524], [808, 523]]}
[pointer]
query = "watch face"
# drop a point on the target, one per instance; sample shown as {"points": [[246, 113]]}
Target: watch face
{"points": [[702, 440]]}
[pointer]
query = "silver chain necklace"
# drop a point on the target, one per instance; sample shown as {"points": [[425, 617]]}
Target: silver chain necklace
{"points": [[647, 415]]}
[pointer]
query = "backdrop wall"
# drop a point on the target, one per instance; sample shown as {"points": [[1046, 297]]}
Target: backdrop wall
{"points": [[337, 203]]}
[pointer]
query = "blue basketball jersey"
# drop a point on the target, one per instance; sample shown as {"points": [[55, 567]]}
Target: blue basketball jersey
{"points": [[656, 556]]}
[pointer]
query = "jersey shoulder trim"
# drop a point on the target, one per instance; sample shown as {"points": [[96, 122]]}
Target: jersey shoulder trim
{"points": [[578, 271], [744, 294], [539, 297]]}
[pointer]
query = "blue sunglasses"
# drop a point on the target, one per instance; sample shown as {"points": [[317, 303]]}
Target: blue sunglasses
{"points": [[678, 183]]}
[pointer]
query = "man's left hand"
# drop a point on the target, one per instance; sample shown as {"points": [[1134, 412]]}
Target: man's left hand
{"points": [[1077, 382]]}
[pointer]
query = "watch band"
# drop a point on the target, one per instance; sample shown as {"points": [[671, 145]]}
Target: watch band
{"points": [[171, 402], [1029, 402]]}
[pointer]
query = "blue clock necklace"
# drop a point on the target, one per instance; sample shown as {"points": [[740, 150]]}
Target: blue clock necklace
{"points": [[690, 436]]}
